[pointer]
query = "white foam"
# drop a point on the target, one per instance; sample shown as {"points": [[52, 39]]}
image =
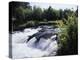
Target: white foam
{"points": [[21, 49]]}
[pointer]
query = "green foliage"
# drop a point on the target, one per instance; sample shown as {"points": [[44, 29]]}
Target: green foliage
{"points": [[37, 13], [73, 34], [69, 36], [23, 12]]}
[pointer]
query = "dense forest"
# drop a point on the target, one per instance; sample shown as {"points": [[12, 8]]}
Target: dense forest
{"points": [[23, 16]]}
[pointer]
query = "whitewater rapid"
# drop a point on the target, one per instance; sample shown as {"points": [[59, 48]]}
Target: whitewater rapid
{"points": [[21, 49]]}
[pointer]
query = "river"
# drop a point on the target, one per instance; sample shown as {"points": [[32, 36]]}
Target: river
{"points": [[35, 42]]}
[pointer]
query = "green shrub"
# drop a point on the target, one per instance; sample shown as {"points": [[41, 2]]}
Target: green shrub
{"points": [[69, 36]]}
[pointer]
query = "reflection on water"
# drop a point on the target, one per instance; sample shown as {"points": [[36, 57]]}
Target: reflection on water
{"points": [[35, 42]]}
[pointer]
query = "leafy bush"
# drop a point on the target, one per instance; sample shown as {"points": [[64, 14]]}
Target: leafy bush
{"points": [[69, 36]]}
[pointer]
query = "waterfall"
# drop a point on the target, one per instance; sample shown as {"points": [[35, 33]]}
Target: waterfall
{"points": [[46, 44]]}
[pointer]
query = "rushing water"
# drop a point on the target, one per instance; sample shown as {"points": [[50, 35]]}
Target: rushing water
{"points": [[36, 42]]}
